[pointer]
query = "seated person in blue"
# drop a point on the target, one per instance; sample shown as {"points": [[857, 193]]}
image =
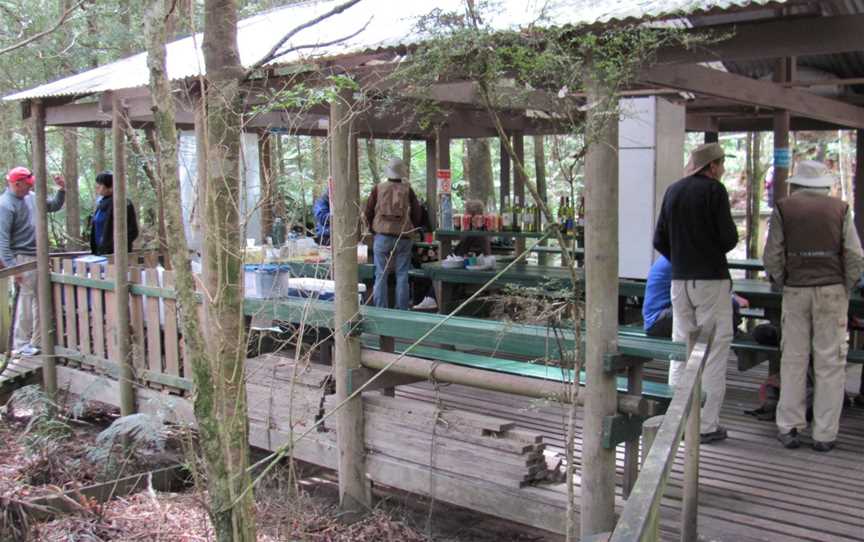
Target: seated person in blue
{"points": [[321, 211], [657, 307]]}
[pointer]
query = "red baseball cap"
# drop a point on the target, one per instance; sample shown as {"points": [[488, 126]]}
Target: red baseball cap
{"points": [[20, 174]]}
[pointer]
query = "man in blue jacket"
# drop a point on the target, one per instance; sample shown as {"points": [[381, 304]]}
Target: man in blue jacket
{"points": [[694, 231], [321, 211]]}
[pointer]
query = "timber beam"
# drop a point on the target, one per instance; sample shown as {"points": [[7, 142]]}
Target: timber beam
{"points": [[787, 37], [719, 84]]}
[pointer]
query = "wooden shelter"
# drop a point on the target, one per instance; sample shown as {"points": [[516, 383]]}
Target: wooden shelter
{"points": [[764, 38]]}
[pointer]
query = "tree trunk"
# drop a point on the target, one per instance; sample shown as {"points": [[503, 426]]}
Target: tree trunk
{"points": [[73, 204], [320, 164], [406, 154], [217, 350], [265, 165], [354, 490], [479, 174], [540, 172], [754, 195], [601, 308], [372, 160]]}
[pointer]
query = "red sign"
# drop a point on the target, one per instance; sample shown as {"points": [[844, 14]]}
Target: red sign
{"points": [[444, 182]]}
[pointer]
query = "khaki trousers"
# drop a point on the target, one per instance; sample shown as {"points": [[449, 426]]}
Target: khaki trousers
{"points": [[814, 321], [697, 303], [27, 314]]}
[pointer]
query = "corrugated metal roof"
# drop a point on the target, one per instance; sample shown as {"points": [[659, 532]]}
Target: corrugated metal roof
{"points": [[390, 24]]}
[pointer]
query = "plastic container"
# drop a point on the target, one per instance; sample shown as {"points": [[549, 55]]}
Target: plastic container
{"points": [[322, 289]]}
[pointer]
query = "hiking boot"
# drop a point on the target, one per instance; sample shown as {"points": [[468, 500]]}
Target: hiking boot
{"points": [[714, 436], [428, 304], [820, 446], [789, 440]]}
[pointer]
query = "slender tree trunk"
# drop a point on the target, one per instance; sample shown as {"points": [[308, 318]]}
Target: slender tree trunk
{"points": [[217, 349], [265, 161], [479, 166], [406, 154], [540, 172], [70, 173], [354, 490], [320, 164], [372, 160], [754, 196]]}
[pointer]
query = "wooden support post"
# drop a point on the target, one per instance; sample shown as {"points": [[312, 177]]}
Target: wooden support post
{"points": [[649, 433], [601, 311], [504, 189], [432, 183], [631, 447], [782, 153], [540, 171], [519, 182], [442, 155], [43, 271], [354, 490], [859, 185], [121, 263], [690, 501]]}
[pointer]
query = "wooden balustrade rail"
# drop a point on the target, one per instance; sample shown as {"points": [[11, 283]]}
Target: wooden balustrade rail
{"points": [[639, 519]]}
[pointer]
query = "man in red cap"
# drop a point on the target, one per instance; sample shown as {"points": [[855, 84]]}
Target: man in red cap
{"points": [[18, 245]]}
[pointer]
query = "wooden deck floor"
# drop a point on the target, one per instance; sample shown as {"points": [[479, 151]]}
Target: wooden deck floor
{"points": [[750, 487], [20, 372]]}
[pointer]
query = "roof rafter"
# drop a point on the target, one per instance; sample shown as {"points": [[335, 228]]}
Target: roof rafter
{"points": [[710, 82]]}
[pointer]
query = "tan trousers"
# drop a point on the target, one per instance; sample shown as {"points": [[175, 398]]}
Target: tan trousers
{"points": [[27, 314], [696, 303], [814, 320]]}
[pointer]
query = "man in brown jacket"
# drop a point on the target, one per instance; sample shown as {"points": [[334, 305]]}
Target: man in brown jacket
{"points": [[392, 213], [814, 253]]}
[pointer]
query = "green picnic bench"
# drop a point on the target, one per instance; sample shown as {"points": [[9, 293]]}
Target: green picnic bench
{"points": [[510, 348]]}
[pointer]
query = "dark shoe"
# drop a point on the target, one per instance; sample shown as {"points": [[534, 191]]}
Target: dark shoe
{"points": [[713, 436], [820, 446], [789, 440]]}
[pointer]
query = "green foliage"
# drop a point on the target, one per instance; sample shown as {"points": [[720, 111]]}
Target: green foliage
{"points": [[45, 430]]}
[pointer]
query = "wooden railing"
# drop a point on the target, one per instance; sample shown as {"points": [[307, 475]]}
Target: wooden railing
{"points": [[639, 520], [84, 308]]}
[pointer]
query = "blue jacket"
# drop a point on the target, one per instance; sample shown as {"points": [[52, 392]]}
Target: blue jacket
{"points": [[658, 291], [321, 210]]}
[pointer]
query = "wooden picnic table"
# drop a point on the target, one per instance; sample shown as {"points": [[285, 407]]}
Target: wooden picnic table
{"points": [[758, 292]]}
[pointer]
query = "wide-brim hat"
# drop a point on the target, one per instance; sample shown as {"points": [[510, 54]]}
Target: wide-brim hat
{"points": [[703, 155], [812, 174], [396, 169]]}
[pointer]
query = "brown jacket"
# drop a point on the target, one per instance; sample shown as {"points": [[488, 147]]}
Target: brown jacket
{"points": [[812, 241], [380, 200]]}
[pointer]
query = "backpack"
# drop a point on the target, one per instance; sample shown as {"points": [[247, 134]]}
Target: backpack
{"points": [[392, 209]]}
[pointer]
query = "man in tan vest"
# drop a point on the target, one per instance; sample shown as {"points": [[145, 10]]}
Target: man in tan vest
{"points": [[814, 253], [392, 212]]}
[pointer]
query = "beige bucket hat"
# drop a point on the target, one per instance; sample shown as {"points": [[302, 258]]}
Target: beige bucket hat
{"points": [[703, 155], [812, 174], [396, 169]]}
